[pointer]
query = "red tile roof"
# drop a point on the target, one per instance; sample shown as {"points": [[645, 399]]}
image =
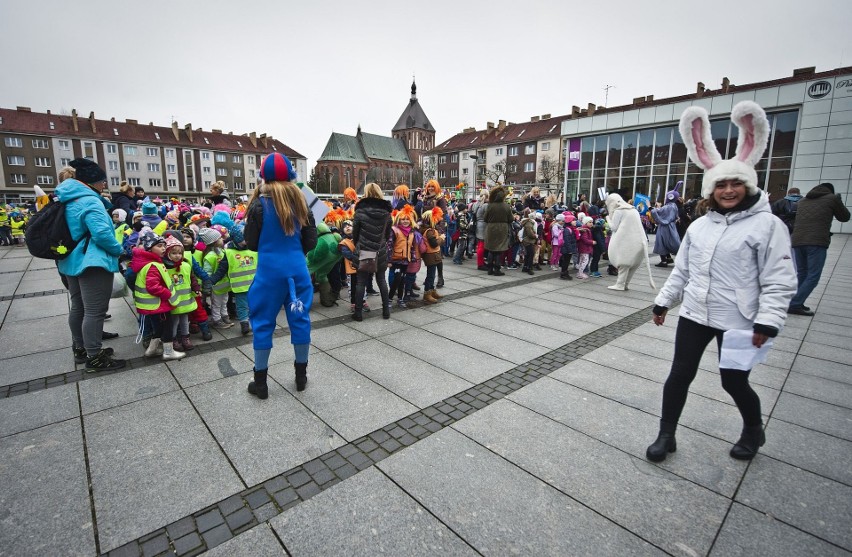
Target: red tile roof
{"points": [[511, 134], [27, 122]]}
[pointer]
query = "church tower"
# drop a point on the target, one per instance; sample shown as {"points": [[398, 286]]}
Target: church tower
{"points": [[414, 130]]}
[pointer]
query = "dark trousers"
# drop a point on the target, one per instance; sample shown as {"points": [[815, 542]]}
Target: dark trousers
{"points": [[691, 339], [529, 250]]}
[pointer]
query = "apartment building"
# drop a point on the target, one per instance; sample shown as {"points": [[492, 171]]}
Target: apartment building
{"points": [[167, 161]]}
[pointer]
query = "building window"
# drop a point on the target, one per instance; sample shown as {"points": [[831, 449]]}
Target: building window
{"points": [[170, 153], [19, 178], [442, 159], [152, 151], [251, 173], [40, 144], [88, 150], [221, 172], [206, 169], [13, 160], [251, 185], [238, 186], [64, 144], [113, 165], [52, 126], [454, 158], [207, 184], [529, 150], [172, 183], [131, 150], [132, 166], [155, 182], [221, 157], [64, 162], [112, 148], [153, 167], [42, 161], [237, 172], [250, 159], [442, 174], [205, 156], [237, 159], [43, 180], [513, 151], [529, 166], [133, 182], [454, 173], [464, 156], [545, 146], [513, 168], [171, 169], [498, 151], [113, 181], [465, 171], [14, 142]]}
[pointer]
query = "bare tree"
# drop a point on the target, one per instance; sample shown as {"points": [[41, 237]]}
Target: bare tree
{"points": [[550, 171], [496, 173]]}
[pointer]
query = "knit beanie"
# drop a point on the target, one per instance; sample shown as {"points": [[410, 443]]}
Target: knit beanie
{"points": [[137, 214], [149, 240], [172, 242], [88, 171], [122, 214], [149, 209], [277, 168], [237, 236], [208, 236]]}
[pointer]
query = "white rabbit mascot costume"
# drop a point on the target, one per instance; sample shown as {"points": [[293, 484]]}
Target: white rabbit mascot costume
{"points": [[628, 244]]}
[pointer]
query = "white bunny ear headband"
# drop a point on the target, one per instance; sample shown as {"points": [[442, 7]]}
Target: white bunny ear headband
{"points": [[753, 137]]}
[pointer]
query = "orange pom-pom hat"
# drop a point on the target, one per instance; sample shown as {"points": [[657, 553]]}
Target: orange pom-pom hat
{"points": [[408, 213], [350, 194]]}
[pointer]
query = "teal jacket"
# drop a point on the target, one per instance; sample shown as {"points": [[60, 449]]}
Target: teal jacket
{"points": [[85, 212]]}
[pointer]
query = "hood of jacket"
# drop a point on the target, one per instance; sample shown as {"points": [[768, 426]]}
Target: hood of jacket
{"points": [[818, 191], [72, 189], [794, 197], [371, 205], [142, 257]]}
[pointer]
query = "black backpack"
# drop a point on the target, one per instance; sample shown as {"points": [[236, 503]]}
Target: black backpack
{"points": [[47, 234]]}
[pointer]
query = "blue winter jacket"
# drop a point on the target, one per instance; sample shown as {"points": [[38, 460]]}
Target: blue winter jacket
{"points": [[85, 212]]}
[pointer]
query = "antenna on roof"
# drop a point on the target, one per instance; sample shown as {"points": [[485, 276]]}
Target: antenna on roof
{"points": [[606, 96]]}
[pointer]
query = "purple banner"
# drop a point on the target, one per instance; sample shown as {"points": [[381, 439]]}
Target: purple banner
{"points": [[573, 154]]}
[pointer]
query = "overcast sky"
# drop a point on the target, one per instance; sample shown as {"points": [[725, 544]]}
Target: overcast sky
{"points": [[300, 70]]}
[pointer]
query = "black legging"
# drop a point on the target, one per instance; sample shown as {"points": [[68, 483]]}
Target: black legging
{"points": [[691, 339], [364, 278]]}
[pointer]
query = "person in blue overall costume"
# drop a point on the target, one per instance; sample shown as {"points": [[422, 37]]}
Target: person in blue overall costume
{"points": [[281, 230]]}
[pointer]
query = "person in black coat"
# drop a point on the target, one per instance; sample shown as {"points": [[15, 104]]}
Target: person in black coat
{"points": [[371, 228]]}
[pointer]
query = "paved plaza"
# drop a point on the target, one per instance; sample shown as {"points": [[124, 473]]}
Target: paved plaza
{"points": [[509, 419]]}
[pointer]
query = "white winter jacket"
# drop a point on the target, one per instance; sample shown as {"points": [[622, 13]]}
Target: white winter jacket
{"points": [[734, 270]]}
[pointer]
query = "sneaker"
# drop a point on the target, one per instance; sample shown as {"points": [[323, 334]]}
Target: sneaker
{"points": [[108, 336], [103, 361], [365, 308], [402, 304], [597, 275], [221, 325], [245, 328], [80, 356], [373, 293], [227, 320]]}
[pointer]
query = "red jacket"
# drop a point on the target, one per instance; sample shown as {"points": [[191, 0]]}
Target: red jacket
{"points": [[153, 281], [584, 242]]}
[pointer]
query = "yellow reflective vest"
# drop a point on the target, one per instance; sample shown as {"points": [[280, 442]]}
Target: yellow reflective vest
{"points": [[242, 265], [143, 299], [212, 260], [184, 298]]}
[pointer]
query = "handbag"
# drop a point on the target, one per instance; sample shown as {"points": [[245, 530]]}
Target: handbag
{"points": [[367, 262], [432, 258]]}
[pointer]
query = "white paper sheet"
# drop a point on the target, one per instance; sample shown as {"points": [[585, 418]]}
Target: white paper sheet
{"points": [[739, 353]]}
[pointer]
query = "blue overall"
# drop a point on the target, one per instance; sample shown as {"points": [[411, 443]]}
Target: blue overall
{"points": [[281, 279]]}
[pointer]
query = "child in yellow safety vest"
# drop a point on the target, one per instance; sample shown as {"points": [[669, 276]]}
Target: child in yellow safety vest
{"points": [[18, 223], [154, 296], [214, 252], [239, 265], [180, 271]]}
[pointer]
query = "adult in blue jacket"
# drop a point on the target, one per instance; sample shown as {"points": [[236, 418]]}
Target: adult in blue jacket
{"points": [[90, 266]]}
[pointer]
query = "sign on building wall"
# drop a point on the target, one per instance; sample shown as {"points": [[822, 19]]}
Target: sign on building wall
{"points": [[573, 154]]}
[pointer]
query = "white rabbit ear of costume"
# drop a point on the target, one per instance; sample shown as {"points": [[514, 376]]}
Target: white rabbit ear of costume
{"points": [[695, 131], [750, 118]]}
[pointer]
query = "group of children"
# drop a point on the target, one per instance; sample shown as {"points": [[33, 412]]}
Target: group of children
{"points": [[13, 222], [175, 280]]}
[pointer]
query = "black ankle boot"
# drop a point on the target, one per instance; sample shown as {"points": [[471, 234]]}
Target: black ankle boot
{"points": [[386, 310], [358, 314], [751, 439], [301, 375], [258, 387], [665, 443]]}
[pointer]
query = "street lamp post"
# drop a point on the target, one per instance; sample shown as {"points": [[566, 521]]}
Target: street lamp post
{"points": [[474, 158]]}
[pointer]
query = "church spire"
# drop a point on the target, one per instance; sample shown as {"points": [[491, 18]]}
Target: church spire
{"points": [[413, 90]]}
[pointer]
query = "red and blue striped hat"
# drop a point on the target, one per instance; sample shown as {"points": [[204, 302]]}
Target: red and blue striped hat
{"points": [[277, 168]]}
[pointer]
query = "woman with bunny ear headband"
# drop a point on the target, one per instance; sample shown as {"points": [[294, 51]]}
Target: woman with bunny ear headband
{"points": [[733, 271]]}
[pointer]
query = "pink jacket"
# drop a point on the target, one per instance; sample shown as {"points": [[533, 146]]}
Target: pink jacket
{"points": [[585, 241]]}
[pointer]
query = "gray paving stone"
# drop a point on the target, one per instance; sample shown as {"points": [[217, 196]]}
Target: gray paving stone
{"points": [[835, 308], [349, 402], [448, 309], [818, 388], [7, 266], [828, 353], [813, 414], [27, 287], [811, 450], [44, 502], [410, 378], [700, 458], [4, 308], [35, 308], [128, 386], [261, 437], [210, 367], [33, 336], [258, 541], [415, 317], [160, 448], [497, 507], [833, 330], [41, 274], [677, 516], [508, 295], [816, 337], [491, 342], [478, 302], [835, 320], [282, 352], [17, 251], [339, 335], [35, 366], [528, 315], [564, 306], [747, 532], [36, 264], [365, 515], [457, 358], [817, 505], [378, 327], [835, 371], [517, 328], [39, 408]]}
